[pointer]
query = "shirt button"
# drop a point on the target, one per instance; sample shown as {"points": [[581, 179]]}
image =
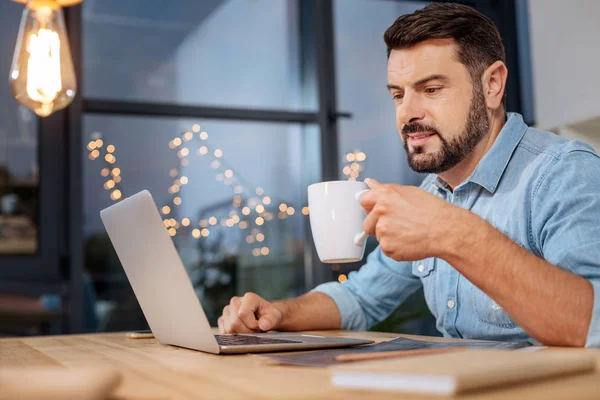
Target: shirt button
{"points": [[451, 304], [421, 268]]}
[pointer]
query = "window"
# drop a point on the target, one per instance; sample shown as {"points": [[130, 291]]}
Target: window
{"points": [[233, 53], [19, 182], [231, 194], [361, 79]]}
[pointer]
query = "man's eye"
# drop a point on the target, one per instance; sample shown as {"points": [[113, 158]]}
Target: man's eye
{"points": [[398, 96], [432, 90]]}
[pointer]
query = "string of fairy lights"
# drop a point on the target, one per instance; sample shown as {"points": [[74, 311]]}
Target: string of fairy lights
{"points": [[251, 207], [110, 171]]}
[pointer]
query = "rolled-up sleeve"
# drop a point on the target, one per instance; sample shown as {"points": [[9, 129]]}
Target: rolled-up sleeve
{"points": [[373, 292], [565, 222]]}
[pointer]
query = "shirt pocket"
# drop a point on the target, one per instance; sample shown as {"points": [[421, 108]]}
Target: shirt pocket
{"points": [[426, 271], [489, 312]]}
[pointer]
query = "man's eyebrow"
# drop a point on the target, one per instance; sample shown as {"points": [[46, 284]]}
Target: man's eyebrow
{"points": [[436, 77], [421, 81]]}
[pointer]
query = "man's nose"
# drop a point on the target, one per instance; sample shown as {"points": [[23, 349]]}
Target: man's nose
{"points": [[410, 110]]}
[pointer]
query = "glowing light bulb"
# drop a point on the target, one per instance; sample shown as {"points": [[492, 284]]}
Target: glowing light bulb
{"points": [[42, 77], [116, 195]]}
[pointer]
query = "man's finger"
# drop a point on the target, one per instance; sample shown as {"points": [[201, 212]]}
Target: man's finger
{"points": [[370, 223], [237, 326], [268, 320], [368, 200], [231, 321], [247, 310], [221, 325]]}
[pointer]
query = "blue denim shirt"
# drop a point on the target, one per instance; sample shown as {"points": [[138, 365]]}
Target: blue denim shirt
{"points": [[540, 190]]}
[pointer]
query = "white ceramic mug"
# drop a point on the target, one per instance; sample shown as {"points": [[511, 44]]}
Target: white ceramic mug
{"points": [[336, 220]]}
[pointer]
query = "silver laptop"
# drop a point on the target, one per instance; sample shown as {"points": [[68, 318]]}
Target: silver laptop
{"points": [[165, 292]]}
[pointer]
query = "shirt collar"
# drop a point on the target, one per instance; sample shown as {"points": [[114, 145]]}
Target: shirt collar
{"points": [[490, 169]]}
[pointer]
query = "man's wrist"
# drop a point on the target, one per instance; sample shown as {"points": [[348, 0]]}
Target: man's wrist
{"points": [[461, 231], [284, 307]]}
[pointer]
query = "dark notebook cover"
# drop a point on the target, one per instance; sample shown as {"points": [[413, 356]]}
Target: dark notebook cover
{"points": [[324, 358]]}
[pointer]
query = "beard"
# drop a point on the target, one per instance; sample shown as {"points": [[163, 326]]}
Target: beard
{"points": [[452, 151]]}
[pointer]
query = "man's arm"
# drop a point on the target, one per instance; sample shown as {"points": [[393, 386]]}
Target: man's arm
{"points": [[252, 313], [552, 305], [310, 311], [367, 297], [555, 299]]}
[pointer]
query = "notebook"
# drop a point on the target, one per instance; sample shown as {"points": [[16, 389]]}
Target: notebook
{"points": [[458, 372], [326, 358]]}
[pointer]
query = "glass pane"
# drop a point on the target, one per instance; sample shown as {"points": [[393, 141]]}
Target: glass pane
{"points": [[18, 152], [220, 187], [361, 72], [234, 53]]}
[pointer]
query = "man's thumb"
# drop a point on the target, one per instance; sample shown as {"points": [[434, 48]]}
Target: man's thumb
{"points": [[372, 183], [267, 322]]}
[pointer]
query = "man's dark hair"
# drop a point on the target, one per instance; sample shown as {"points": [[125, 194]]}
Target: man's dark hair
{"points": [[478, 39]]}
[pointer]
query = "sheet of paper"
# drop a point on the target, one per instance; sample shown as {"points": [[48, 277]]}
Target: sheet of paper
{"points": [[324, 358]]}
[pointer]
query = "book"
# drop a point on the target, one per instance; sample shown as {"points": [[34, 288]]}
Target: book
{"points": [[457, 372]]}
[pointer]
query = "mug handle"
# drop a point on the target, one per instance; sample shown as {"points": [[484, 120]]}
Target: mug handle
{"points": [[361, 238]]}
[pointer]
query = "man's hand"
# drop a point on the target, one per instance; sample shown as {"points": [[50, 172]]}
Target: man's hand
{"points": [[407, 221], [250, 313]]}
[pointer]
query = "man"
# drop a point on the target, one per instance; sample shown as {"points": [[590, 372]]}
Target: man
{"points": [[504, 234]]}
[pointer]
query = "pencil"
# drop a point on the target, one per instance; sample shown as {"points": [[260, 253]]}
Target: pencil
{"points": [[392, 354]]}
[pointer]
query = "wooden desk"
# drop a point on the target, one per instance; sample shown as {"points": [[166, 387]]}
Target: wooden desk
{"points": [[153, 371]]}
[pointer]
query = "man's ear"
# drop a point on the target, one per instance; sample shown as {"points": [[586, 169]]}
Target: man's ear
{"points": [[494, 84]]}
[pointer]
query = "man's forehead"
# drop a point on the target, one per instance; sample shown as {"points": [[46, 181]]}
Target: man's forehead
{"points": [[429, 57]]}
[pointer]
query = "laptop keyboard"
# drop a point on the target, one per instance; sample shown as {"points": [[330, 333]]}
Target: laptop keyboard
{"points": [[242, 340]]}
